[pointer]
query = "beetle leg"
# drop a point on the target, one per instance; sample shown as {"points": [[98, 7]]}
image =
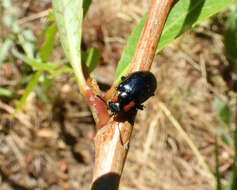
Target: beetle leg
{"points": [[139, 106], [123, 78]]}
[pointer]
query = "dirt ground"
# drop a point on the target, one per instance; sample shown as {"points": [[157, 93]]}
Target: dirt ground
{"points": [[50, 146]]}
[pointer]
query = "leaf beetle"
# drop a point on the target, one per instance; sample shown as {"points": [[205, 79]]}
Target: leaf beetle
{"points": [[134, 89]]}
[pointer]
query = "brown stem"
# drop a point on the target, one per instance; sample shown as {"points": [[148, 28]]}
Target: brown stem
{"points": [[150, 35], [151, 32], [112, 140], [97, 106], [111, 145]]}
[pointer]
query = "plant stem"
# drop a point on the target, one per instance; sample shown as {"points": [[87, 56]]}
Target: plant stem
{"points": [[151, 32], [112, 141]]}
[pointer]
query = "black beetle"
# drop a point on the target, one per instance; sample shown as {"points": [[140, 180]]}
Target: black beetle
{"points": [[134, 89]]}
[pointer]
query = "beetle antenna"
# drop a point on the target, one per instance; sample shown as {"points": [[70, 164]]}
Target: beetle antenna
{"points": [[103, 101], [101, 98], [140, 107]]}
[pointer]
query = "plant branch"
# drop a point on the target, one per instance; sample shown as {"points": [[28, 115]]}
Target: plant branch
{"points": [[112, 141], [69, 16], [111, 144], [149, 38], [151, 32]]}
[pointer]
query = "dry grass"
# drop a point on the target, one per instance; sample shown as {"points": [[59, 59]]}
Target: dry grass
{"points": [[49, 146]]}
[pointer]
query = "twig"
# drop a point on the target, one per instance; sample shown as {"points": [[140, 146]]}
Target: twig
{"points": [[112, 141], [34, 16], [203, 71], [149, 38], [150, 138], [188, 140], [20, 116], [16, 150], [150, 35], [69, 18]]}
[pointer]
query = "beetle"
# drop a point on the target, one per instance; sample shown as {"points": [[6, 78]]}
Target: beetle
{"points": [[134, 89]]}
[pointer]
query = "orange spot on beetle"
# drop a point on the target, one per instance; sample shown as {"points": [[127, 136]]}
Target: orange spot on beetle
{"points": [[129, 106], [115, 97]]}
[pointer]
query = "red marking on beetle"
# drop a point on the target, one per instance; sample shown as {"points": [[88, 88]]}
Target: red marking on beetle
{"points": [[115, 97], [129, 106], [116, 116]]}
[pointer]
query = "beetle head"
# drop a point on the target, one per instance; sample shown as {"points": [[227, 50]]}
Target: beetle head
{"points": [[114, 106]]}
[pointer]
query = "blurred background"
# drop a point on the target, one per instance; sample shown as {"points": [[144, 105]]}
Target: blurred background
{"points": [[49, 142]]}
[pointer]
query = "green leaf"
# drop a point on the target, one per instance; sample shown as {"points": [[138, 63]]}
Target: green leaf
{"points": [[230, 35], [86, 5], [128, 51], [5, 92], [187, 14], [68, 15], [47, 46], [39, 65], [232, 184], [7, 4], [91, 58], [64, 69], [41, 94], [225, 137], [231, 180], [54, 68], [184, 15], [48, 66], [51, 16], [4, 50], [46, 84], [27, 42], [30, 87], [223, 111]]}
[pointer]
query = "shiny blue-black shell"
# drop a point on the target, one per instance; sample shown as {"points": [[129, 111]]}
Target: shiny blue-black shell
{"points": [[136, 87]]}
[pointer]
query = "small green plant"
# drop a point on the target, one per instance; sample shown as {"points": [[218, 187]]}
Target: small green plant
{"points": [[230, 35], [229, 136], [228, 132], [184, 15], [42, 71], [67, 19]]}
